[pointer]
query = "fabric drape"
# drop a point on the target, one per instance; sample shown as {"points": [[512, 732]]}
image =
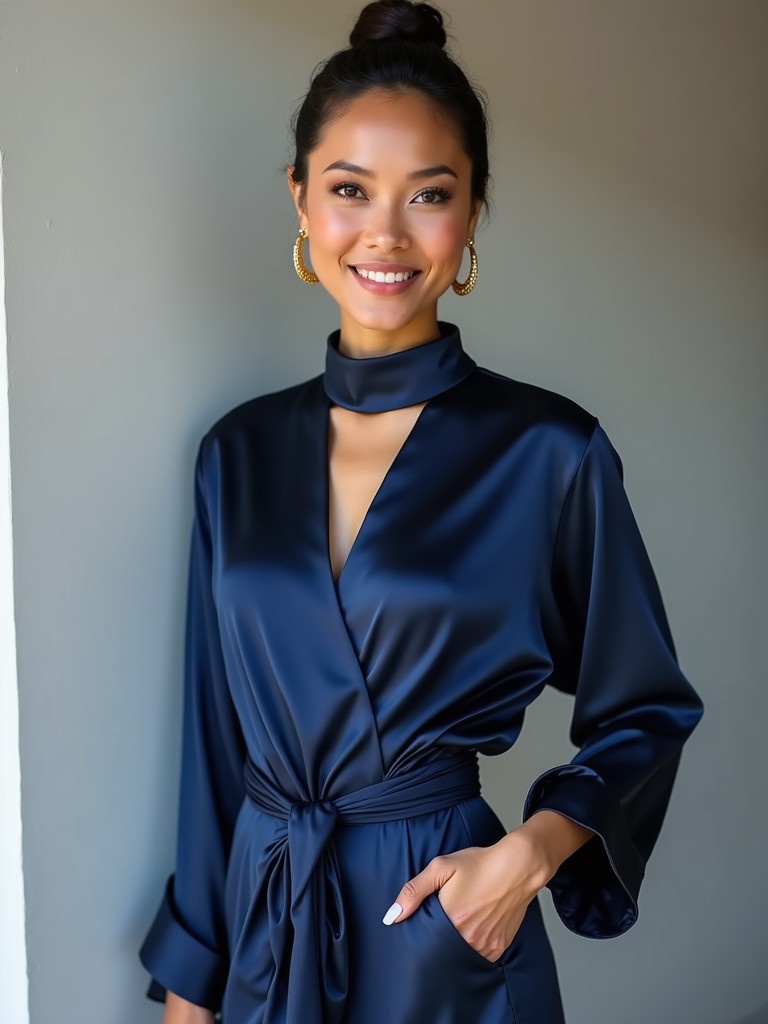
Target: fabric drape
{"points": [[499, 555]]}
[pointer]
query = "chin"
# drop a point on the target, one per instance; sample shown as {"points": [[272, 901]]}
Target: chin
{"points": [[386, 319], [385, 325]]}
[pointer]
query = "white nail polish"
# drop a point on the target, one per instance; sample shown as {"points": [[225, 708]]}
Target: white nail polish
{"points": [[393, 913]]}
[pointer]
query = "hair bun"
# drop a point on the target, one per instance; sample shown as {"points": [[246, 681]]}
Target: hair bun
{"points": [[398, 19]]}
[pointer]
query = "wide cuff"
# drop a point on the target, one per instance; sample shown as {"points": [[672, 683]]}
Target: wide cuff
{"points": [[595, 890], [181, 963]]}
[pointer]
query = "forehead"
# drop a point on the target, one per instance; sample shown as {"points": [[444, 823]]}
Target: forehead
{"points": [[390, 130]]}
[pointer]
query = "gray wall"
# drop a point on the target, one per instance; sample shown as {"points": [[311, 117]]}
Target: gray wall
{"points": [[149, 288]]}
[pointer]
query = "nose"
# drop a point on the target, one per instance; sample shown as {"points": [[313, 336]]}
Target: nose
{"points": [[386, 229]]}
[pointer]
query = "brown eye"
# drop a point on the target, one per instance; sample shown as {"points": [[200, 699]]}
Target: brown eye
{"points": [[346, 191], [433, 196]]}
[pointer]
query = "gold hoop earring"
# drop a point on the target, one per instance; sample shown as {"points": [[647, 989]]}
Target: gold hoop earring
{"points": [[466, 287], [306, 275]]}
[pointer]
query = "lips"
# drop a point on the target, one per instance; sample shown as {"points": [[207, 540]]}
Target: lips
{"points": [[384, 273], [386, 281], [385, 277]]}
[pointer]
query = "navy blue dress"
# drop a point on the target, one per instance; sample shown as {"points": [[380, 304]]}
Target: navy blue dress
{"points": [[331, 729]]}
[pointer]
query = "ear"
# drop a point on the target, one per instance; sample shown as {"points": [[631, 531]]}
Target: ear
{"points": [[297, 191], [477, 209]]}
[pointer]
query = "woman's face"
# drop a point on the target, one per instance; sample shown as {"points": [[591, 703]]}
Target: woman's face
{"points": [[388, 191]]}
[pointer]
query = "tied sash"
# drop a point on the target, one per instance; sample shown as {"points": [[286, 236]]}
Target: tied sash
{"points": [[312, 938]]}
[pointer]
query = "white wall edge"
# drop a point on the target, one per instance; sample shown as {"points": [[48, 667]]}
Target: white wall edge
{"points": [[14, 986]]}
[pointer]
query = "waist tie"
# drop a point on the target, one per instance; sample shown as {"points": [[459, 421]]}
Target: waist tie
{"points": [[314, 941]]}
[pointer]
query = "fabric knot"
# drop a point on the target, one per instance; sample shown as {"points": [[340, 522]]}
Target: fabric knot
{"points": [[310, 827], [316, 940]]}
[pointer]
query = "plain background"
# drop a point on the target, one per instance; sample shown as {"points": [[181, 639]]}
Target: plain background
{"points": [[149, 288]]}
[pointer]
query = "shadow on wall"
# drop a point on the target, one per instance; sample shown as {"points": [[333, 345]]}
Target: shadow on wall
{"points": [[758, 1017]]}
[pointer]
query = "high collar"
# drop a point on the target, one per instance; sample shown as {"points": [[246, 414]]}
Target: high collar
{"points": [[392, 381]]}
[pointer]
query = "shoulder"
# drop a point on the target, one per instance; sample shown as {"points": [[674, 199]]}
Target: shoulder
{"points": [[533, 410], [531, 403], [257, 417], [562, 433]]}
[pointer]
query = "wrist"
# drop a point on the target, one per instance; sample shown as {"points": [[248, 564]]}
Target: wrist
{"points": [[525, 850], [554, 837]]}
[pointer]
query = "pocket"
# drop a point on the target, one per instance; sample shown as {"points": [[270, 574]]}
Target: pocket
{"points": [[438, 911], [438, 975]]}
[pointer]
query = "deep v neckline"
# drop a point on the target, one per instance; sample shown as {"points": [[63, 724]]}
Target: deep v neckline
{"points": [[375, 500], [370, 384]]}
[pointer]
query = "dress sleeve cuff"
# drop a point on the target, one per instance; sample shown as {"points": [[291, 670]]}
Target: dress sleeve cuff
{"points": [[181, 963], [594, 891]]}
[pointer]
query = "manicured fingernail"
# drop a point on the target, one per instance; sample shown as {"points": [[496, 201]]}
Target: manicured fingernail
{"points": [[393, 913]]}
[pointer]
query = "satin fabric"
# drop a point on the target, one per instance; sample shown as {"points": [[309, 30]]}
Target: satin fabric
{"points": [[318, 977], [397, 379], [498, 556]]}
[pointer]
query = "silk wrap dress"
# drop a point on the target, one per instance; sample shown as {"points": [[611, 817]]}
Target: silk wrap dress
{"points": [[331, 727]]}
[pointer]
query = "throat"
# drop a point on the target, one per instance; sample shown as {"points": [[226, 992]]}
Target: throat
{"points": [[362, 450]]}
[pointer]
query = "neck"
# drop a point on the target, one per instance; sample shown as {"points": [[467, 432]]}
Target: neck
{"points": [[409, 375], [364, 343]]}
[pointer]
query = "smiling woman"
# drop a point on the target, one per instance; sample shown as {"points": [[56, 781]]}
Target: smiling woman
{"points": [[390, 561], [387, 194]]}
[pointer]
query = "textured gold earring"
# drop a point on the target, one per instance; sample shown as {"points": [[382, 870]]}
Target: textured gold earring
{"points": [[469, 284], [306, 275]]}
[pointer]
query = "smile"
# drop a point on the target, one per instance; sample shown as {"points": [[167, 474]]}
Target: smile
{"points": [[385, 278]]}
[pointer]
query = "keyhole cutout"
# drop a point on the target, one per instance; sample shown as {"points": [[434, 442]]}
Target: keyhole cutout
{"points": [[362, 447]]}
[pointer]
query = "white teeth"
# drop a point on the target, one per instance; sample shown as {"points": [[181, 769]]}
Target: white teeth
{"points": [[381, 278]]}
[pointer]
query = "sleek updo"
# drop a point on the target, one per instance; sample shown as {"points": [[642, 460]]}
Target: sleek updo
{"points": [[398, 46]]}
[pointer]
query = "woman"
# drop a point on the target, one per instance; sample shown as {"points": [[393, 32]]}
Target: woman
{"points": [[389, 563]]}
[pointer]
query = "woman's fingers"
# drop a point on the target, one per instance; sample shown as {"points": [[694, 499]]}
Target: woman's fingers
{"points": [[416, 889], [487, 896], [484, 891]]}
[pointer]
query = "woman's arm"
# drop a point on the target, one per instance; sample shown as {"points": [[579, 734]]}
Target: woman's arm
{"points": [[633, 710], [179, 1011], [588, 826], [185, 950]]}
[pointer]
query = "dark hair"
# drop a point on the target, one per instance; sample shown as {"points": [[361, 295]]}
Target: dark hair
{"points": [[398, 46]]}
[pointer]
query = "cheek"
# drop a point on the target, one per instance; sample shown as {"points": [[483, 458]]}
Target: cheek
{"points": [[446, 240], [330, 228]]}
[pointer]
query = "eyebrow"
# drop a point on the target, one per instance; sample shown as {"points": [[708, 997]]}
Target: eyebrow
{"points": [[425, 172]]}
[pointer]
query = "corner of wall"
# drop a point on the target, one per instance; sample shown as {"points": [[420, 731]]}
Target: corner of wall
{"points": [[13, 953]]}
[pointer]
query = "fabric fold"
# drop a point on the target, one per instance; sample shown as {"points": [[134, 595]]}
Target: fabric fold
{"points": [[180, 962], [499, 556], [595, 890], [633, 707], [211, 793], [318, 946], [397, 379]]}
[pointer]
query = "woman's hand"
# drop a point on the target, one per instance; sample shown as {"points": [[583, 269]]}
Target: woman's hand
{"points": [[179, 1011], [485, 890]]}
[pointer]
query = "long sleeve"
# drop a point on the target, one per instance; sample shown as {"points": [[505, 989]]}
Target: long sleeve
{"points": [[633, 708], [186, 948]]}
